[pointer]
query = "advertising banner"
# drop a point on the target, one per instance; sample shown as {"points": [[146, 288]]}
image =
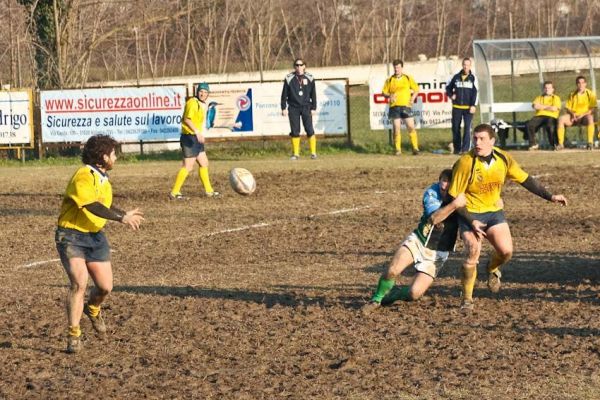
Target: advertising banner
{"points": [[16, 117], [432, 107], [127, 114], [254, 109]]}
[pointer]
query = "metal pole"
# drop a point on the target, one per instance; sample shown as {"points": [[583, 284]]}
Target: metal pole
{"points": [[387, 68], [512, 76], [260, 52]]}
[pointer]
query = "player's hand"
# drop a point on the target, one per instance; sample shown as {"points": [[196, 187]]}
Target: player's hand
{"points": [[560, 199], [472, 109], [313, 112], [479, 229], [284, 112], [454, 97], [460, 200], [133, 219], [392, 98], [200, 138]]}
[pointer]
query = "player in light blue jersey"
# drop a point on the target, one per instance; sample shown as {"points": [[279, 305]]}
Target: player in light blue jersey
{"points": [[427, 247]]}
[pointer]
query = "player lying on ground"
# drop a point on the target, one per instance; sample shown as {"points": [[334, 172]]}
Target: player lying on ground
{"points": [[427, 247], [480, 175], [81, 244]]}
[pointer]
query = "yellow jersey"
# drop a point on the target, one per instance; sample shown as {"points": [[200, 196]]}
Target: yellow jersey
{"points": [[195, 111], [581, 103], [88, 185], [482, 183], [547, 100], [403, 87]]}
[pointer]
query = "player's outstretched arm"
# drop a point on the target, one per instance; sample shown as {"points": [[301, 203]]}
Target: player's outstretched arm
{"points": [[132, 218], [535, 187], [441, 214]]}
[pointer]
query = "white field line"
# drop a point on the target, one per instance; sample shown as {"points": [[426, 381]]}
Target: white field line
{"points": [[342, 211], [241, 228], [36, 263], [238, 229]]}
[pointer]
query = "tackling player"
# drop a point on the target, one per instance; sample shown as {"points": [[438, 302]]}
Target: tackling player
{"points": [[480, 175], [81, 244], [402, 90], [427, 247], [193, 127]]}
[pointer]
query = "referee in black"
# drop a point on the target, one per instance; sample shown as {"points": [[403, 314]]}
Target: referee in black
{"points": [[299, 101]]}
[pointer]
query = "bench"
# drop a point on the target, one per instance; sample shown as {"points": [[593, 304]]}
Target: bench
{"points": [[524, 107]]}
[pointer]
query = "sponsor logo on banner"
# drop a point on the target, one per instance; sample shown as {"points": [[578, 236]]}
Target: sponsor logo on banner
{"points": [[16, 122], [127, 114], [432, 107], [254, 109]]}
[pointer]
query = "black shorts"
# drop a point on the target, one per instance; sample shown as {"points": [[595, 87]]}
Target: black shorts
{"points": [[90, 246], [191, 146], [488, 218], [400, 112]]}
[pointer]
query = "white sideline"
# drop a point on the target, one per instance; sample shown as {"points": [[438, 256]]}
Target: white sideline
{"points": [[238, 229], [36, 263]]}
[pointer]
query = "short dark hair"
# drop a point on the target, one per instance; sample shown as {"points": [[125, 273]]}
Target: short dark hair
{"points": [[485, 128], [580, 77], [398, 61], [548, 83], [446, 174], [299, 59], [466, 59], [96, 147]]}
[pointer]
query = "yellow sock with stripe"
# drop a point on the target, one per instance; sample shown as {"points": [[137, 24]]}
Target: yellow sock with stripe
{"points": [[398, 142], [312, 143], [74, 331], [182, 175], [414, 140], [94, 310], [590, 133], [469, 276], [560, 133], [205, 179], [296, 146]]}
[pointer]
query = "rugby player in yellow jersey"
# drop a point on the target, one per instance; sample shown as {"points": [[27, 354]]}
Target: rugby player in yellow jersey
{"points": [[546, 106], [480, 175], [581, 105], [402, 90], [192, 143], [81, 244]]}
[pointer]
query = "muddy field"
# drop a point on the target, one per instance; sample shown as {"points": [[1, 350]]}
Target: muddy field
{"points": [[259, 297]]}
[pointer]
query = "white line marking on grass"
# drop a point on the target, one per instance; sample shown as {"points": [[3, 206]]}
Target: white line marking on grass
{"points": [[36, 263], [241, 228], [341, 211], [264, 224], [542, 175]]}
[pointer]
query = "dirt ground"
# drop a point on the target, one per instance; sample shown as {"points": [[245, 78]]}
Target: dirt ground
{"points": [[258, 297]]}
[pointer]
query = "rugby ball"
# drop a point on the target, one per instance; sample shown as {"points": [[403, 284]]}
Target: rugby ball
{"points": [[242, 181]]}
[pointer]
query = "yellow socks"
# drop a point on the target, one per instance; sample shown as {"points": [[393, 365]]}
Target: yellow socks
{"points": [[469, 276], [590, 133], [414, 140], [179, 180], [74, 331], [495, 262], [203, 173], [312, 143], [560, 133], [94, 310], [296, 146], [398, 142]]}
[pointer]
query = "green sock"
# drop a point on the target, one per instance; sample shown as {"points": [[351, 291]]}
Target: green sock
{"points": [[383, 287], [397, 293]]}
